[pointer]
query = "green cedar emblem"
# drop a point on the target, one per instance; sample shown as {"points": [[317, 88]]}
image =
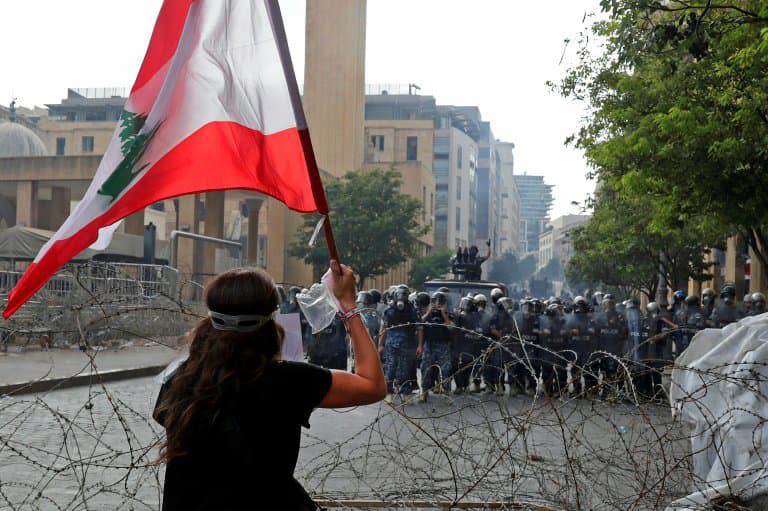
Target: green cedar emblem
{"points": [[133, 144]]}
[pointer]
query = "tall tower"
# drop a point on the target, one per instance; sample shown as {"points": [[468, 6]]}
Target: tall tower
{"points": [[334, 82]]}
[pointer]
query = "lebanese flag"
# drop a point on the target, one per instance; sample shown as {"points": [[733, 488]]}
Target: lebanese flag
{"points": [[215, 106]]}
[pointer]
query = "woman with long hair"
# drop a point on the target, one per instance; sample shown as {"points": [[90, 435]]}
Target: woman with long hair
{"points": [[233, 410]]}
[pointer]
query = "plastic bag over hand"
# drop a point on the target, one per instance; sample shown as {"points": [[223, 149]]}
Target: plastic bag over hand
{"points": [[319, 304]]}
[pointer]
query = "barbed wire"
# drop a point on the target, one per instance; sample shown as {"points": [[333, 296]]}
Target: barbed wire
{"points": [[96, 446]]}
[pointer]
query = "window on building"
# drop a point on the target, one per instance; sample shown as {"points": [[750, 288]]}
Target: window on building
{"points": [[458, 187], [377, 141], [87, 144], [458, 218], [96, 116], [60, 145], [411, 148], [458, 157]]}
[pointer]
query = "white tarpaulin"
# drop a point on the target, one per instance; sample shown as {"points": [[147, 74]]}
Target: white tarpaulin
{"points": [[720, 389]]}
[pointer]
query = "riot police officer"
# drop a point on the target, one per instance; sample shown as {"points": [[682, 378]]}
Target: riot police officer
{"points": [[691, 319], [499, 327], [583, 342], [727, 311], [398, 340], [465, 349], [482, 343], [329, 346], [553, 342], [655, 352], [758, 304], [435, 347], [369, 315], [611, 329], [524, 372], [708, 304]]}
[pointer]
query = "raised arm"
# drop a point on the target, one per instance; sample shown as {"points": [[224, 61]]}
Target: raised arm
{"points": [[367, 384]]}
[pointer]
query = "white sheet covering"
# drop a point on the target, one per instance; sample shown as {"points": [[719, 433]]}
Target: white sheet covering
{"points": [[720, 389]]}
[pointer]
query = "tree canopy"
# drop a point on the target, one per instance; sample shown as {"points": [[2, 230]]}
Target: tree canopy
{"points": [[431, 266], [375, 226], [677, 132]]}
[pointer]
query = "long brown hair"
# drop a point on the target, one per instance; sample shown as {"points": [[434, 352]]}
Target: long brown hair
{"points": [[219, 359]]}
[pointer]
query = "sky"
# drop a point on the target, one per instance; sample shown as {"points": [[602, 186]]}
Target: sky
{"points": [[496, 54]]}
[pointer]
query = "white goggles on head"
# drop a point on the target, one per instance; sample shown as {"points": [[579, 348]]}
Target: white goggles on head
{"points": [[241, 323]]}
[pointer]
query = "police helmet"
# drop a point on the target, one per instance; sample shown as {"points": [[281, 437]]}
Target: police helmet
{"points": [[652, 308], [439, 298], [444, 289], [467, 304], [707, 292], [507, 303], [758, 297], [401, 293], [608, 302], [728, 291], [412, 297], [537, 306], [679, 296], [422, 299], [480, 298], [632, 303], [692, 301], [375, 295], [553, 309], [747, 298], [496, 294], [580, 304], [364, 298], [294, 290], [597, 298], [281, 293]]}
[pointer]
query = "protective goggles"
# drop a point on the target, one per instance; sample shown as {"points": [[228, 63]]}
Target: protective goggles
{"points": [[243, 323]]}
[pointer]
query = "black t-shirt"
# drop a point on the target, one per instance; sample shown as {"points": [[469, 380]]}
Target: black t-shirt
{"points": [[245, 461]]}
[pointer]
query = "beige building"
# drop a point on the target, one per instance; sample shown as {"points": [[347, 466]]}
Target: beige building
{"points": [[407, 146], [554, 242], [510, 202]]}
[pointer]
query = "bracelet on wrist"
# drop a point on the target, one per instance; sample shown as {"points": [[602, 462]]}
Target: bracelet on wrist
{"points": [[351, 313]]}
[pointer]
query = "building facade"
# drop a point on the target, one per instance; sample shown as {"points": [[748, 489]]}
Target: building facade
{"points": [[510, 199], [554, 242], [535, 203]]}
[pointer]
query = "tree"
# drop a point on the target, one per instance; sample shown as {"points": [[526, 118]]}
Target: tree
{"points": [[622, 247], [678, 123], [508, 269], [431, 266], [375, 225]]}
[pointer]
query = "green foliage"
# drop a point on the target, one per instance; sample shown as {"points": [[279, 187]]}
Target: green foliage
{"points": [[431, 266], [375, 226], [678, 134]]}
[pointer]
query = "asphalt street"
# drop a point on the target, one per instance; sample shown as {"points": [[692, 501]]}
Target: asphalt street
{"points": [[94, 448]]}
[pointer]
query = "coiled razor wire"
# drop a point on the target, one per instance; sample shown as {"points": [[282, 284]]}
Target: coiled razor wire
{"points": [[95, 447]]}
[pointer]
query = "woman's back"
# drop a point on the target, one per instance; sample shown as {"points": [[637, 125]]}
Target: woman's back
{"points": [[244, 457]]}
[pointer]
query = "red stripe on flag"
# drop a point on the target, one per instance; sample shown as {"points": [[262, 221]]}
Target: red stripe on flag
{"points": [[219, 156], [164, 40]]}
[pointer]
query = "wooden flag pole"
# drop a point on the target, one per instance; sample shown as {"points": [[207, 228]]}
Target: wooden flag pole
{"points": [[298, 109]]}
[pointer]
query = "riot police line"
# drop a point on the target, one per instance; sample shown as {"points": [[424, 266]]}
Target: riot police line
{"points": [[593, 348]]}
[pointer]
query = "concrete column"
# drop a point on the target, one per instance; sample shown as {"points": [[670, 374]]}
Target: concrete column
{"points": [[734, 267], [134, 224], [254, 208], [276, 255], [26, 203], [759, 275], [188, 221], [214, 227], [60, 199]]}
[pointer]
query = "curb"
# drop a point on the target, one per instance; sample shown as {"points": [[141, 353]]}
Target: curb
{"points": [[79, 380]]}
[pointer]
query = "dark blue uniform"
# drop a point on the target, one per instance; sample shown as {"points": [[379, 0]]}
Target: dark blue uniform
{"points": [[399, 347], [329, 347], [466, 347], [436, 359]]}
